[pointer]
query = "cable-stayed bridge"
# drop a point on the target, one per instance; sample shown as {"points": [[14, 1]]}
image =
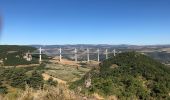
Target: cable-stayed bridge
{"points": [[76, 53]]}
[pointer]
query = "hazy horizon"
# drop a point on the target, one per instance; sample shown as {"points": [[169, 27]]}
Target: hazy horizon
{"points": [[92, 44]]}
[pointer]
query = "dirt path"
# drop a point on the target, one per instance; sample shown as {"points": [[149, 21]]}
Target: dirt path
{"points": [[46, 77], [98, 97]]}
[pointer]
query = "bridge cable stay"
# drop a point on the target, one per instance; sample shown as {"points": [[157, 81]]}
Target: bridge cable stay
{"points": [[75, 55], [98, 55], [60, 51], [75, 52], [88, 57], [106, 54]]}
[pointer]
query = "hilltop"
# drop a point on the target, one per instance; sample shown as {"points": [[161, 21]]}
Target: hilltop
{"points": [[129, 75]]}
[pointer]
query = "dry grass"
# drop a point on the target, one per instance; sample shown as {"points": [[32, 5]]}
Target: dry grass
{"points": [[48, 93], [64, 62], [61, 92], [46, 77]]}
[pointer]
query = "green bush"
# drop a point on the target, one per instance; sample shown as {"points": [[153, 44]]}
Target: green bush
{"points": [[35, 80], [16, 77], [3, 90]]}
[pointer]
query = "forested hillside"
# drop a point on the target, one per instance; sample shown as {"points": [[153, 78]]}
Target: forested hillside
{"points": [[12, 55], [130, 76]]}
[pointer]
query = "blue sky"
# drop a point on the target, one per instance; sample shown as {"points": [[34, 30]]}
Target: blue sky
{"points": [[85, 21]]}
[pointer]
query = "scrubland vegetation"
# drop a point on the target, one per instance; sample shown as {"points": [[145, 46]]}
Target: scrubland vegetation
{"points": [[28, 84], [59, 92], [126, 76], [129, 76], [15, 82]]}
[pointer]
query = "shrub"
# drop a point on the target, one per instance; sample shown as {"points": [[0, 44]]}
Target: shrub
{"points": [[3, 90], [51, 82], [35, 80]]}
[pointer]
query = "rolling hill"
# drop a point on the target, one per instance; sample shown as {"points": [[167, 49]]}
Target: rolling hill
{"points": [[129, 75]]}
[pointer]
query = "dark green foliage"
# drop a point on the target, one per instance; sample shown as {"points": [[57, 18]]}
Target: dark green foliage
{"points": [[76, 83], [5, 48], [14, 55], [43, 56], [41, 67], [12, 60], [3, 90], [36, 80], [16, 77], [137, 76]]}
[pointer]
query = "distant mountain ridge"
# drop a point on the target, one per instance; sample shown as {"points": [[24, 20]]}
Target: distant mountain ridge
{"points": [[121, 46]]}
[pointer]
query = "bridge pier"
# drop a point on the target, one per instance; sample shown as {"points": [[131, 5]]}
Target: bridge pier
{"points": [[106, 54], [114, 52], [98, 55], [88, 57], [60, 54], [40, 59], [75, 55]]}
